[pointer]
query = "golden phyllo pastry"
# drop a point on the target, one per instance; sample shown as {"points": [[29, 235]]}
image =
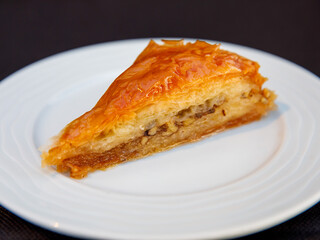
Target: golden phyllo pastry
{"points": [[174, 93]]}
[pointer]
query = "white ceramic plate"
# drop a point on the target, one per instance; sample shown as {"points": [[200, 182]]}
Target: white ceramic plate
{"points": [[238, 182]]}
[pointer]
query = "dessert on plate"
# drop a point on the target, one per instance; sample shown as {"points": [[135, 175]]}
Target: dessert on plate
{"points": [[174, 93]]}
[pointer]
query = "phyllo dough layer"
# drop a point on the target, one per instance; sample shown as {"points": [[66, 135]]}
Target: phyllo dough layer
{"points": [[173, 93]]}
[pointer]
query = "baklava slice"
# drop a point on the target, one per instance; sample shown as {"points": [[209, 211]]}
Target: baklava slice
{"points": [[174, 93]]}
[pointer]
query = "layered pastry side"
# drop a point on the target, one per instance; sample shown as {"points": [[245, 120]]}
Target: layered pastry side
{"points": [[174, 93]]}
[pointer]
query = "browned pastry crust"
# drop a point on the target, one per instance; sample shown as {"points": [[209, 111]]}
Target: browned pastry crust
{"points": [[173, 93]]}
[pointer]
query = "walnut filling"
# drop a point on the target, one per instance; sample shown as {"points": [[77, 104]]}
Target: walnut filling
{"points": [[187, 125], [185, 117]]}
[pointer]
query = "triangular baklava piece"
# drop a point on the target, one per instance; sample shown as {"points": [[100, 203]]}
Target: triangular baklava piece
{"points": [[174, 93]]}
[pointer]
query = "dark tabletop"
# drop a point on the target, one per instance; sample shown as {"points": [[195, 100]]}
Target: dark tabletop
{"points": [[32, 30]]}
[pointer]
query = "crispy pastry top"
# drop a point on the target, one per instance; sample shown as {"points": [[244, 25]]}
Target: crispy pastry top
{"points": [[160, 71]]}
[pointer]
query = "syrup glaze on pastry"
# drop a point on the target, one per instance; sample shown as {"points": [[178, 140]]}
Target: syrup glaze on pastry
{"points": [[174, 93]]}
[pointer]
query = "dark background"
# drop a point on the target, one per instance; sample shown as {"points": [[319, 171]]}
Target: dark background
{"points": [[32, 30]]}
